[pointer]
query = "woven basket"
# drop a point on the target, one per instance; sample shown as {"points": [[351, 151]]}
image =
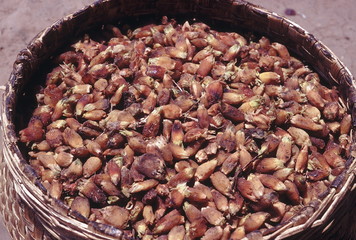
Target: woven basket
{"points": [[28, 211]]}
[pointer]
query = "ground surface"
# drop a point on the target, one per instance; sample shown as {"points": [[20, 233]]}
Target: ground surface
{"points": [[333, 22]]}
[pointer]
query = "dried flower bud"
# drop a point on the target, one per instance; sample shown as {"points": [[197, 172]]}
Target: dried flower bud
{"points": [[33, 133], [203, 117], [214, 233], [54, 138], [220, 201], [170, 220], [283, 174], [282, 50], [305, 123], [152, 124], [82, 102], [231, 53], [72, 138], [221, 183], [151, 166], [292, 192], [115, 216], [205, 170], [171, 111], [177, 134], [272, 182], [232, 113], [214, 92], [269, 165], [345, 124], [143, 186], [205, 65], [255, 220], [213, 216], [181, 177], [74, 171], [230, 163], [176, 233], [155, 71], [81, 205], [64, 159], [91, 166], [148, 214], [269, 77], [238, 233], [92, 191], [299, 136], [302, 159]]}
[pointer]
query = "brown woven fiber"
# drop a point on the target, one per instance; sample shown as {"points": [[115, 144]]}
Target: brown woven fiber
{"points": [[29, 213]]}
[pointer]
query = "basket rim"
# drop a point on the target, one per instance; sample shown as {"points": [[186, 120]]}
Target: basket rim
{"points": [[26, 180]]}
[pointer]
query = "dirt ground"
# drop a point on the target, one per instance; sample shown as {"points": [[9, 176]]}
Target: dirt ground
{"points": [[333, 22]]}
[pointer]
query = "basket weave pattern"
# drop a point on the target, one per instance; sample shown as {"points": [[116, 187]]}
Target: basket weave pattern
{"points": [[30, 214], [21, 223]]}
